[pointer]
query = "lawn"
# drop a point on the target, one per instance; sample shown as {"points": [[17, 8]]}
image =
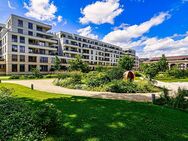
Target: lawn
{"points": [[173, 79], [4, 77], [87, 119]]}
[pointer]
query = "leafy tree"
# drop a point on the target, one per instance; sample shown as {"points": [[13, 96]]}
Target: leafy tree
{"points": [[57, 64], [126, 62], [163, 64], [78, 65], [36, 73], [151, 70]]}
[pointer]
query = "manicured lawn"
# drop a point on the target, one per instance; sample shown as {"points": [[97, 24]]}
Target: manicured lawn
{"points": [[173, 79], [4, 77], [87, 119]]}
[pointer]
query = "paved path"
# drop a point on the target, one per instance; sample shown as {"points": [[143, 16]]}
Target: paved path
{"points": [[173, 86], [47, 86]]}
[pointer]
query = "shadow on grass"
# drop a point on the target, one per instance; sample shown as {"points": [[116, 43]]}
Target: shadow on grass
{"points": [[113, 120]]}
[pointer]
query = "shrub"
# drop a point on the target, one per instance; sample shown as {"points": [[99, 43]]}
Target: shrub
{"points": [[115, 73], [21, 120], [121, 86], [137, 74], [95, 79], [51, 76], [177, 73], [14, 77]]}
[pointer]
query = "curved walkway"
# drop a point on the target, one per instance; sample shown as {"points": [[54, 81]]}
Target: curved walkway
{"points": [[47, 86], [173, 86]]}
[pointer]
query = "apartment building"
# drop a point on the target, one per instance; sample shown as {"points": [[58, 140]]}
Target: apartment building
{"points": [[27, 44]]}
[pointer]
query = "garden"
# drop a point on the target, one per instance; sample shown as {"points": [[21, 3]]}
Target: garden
{"points": [[109, 79]]}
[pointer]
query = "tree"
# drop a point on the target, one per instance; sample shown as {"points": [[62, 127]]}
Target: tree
{"points": [[126, 62], [151, 70], [78, 65], [163, 64], [57, 64]]}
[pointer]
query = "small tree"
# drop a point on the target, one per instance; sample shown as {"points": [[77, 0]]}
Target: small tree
{"points": [[152, 70], [78, 65], [57, 64], [36, 72], [126, 62], [163, 64]]}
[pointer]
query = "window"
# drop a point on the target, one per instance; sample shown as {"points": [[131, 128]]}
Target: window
{"points": [[14, 48], [22, 68], [43, 59], [14, 58], [14, 38], [22, 49], [32, 67], [22, 58], [30, 33], [14, 68], [22, 39], [20, 23], [32, 59], [30, 25], [20, 31], [44, 68]]}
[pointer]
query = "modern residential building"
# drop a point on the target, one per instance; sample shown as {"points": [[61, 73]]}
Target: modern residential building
{"points": [[27, 44], [180, 61]]}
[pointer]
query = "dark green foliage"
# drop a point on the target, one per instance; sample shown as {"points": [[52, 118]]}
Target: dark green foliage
{"points": [[21, 121], [57, 64], [151, 70], [177, 73], [14, 77], [120, 86], [179, 101], [95, 79], [36, 73], [163, 64], [126, 62], [115, 73], [78, 65]]}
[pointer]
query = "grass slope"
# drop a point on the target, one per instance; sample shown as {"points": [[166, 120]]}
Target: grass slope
{"points": [[86, 119]]}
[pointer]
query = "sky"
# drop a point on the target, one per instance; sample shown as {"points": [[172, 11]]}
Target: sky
{"points": [[151, 27]]}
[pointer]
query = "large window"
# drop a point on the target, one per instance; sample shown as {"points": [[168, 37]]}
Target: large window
{"points": [[22, 58], [22, 49], [20, 23], [44, 68], [30, 33], [32, 59], [20, 31], [22, 68], [30, 25], [43, 59], [14, 57], [22, 39], [14, 38], [14, 68], [14, 48]]}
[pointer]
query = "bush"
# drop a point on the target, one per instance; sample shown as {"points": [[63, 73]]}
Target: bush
{"points": [[178, 102], [96, 79], [121, 86], [115, 73], [51, 76], [137, 74], [21, 120], [177, 73], [14, 77]]}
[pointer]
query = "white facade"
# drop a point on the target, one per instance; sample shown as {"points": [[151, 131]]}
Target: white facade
{"points": [[26, 44]]}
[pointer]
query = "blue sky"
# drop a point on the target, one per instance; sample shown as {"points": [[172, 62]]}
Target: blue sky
{"points": [[151, 27]]}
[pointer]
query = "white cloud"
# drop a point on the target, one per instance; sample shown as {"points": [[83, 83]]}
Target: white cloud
{"points": [[10, 6], [101, 12], [59, 19], [156, 47], [87, 32], [41, 10], [123, 35]]}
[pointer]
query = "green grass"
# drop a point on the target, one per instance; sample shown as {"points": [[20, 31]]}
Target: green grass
{"points": [[87, 119], [4, 77], [173, 79]]}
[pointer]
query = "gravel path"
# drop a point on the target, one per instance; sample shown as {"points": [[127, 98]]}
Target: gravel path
{"points": [[47, 86]]}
